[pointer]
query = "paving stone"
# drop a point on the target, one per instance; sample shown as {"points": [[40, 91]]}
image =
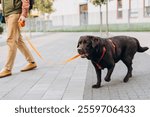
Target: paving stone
{"points": [[54, 80], [137, 87]]}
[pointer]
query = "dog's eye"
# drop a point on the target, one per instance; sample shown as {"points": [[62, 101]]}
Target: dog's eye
{"points": [[88, 45]]}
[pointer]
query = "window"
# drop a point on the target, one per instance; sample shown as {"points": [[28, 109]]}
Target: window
{"points": [[146, 7], [119, 9], [84, 14], [133, 8], [83, 8]]}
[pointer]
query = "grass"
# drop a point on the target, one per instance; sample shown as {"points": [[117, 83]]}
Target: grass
{"points": [[140, 27], [136, 27]]}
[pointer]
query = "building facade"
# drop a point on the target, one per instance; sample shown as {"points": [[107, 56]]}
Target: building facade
{"points": [[82, 12]]}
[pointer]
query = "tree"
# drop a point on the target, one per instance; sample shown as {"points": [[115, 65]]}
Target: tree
{"points": [[99, 3], [44, 6]]}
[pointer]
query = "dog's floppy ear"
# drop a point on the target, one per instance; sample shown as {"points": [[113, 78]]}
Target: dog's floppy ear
{"points": [[78, 45], [95, 41], [79, 41]]}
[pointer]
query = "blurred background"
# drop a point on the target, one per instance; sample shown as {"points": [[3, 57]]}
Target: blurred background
{"points": [[88, 15]]}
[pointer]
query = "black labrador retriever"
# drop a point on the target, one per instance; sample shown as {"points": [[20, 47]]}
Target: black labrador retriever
{"points": [[104, 53]]}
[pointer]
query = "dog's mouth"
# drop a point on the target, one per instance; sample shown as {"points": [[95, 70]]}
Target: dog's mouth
{"points": [[84, 55]]}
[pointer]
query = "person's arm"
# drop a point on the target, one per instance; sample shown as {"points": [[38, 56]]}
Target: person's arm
{"points": [[25, 9]]}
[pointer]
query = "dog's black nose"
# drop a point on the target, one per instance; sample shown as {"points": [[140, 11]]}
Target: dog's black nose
{"points": [[80, 50]]}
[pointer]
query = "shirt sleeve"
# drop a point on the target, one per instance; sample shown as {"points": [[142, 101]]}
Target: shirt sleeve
{"points": [[25, 7]]}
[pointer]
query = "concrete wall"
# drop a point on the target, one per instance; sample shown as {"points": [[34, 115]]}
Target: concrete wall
{"points": [[67, 13]]}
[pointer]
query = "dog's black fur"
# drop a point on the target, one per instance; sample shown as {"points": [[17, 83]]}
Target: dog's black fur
{"points": [[117, 48]]}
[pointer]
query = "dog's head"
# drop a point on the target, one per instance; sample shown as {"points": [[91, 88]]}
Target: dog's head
{"points": [[87, 46]]}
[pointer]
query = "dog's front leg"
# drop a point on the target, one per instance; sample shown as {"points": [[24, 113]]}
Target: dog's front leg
{"points": [[98, 73], [110, 70]]}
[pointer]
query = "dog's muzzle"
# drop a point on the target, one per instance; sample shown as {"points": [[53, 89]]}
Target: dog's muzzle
{"points": [[82, 53]]}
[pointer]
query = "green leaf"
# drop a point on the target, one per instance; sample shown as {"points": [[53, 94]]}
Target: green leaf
{"points": [[98, 2], [45, 6]]}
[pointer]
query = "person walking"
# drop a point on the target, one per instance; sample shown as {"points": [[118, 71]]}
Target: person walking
{"points": [[15, 11]]}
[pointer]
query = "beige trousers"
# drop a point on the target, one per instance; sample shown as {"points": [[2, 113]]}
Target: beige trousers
{"points": [[14, 41]]}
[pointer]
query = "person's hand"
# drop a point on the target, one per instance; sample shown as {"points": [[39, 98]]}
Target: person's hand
{"points": [[21, 21], [22, 18]]}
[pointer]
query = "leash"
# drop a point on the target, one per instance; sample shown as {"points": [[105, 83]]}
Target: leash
{"points": [[37, 52], [33, 47], [21, 25], [70, 59]]}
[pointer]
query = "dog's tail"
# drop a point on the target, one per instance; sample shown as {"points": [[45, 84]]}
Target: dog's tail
{"points": [[141, 49]]}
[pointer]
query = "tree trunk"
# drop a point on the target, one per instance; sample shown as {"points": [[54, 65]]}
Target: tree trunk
{"points": [[100, 26], [107, 26]]}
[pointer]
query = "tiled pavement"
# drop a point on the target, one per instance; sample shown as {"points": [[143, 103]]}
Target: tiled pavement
{"points": [[55, 80], [52, 79], [138, 87]]}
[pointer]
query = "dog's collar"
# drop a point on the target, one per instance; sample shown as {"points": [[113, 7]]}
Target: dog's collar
{"points": [[102, 56], [103, 53]]}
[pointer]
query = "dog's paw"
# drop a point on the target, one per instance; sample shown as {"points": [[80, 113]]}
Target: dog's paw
{"points": [[107, 79], [126, 79], [96, 86], [130, 75]]}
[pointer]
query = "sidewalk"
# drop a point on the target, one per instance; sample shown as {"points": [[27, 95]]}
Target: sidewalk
{"points": [[55, 80], [137, 88], [52, 79], [3, 36]]}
